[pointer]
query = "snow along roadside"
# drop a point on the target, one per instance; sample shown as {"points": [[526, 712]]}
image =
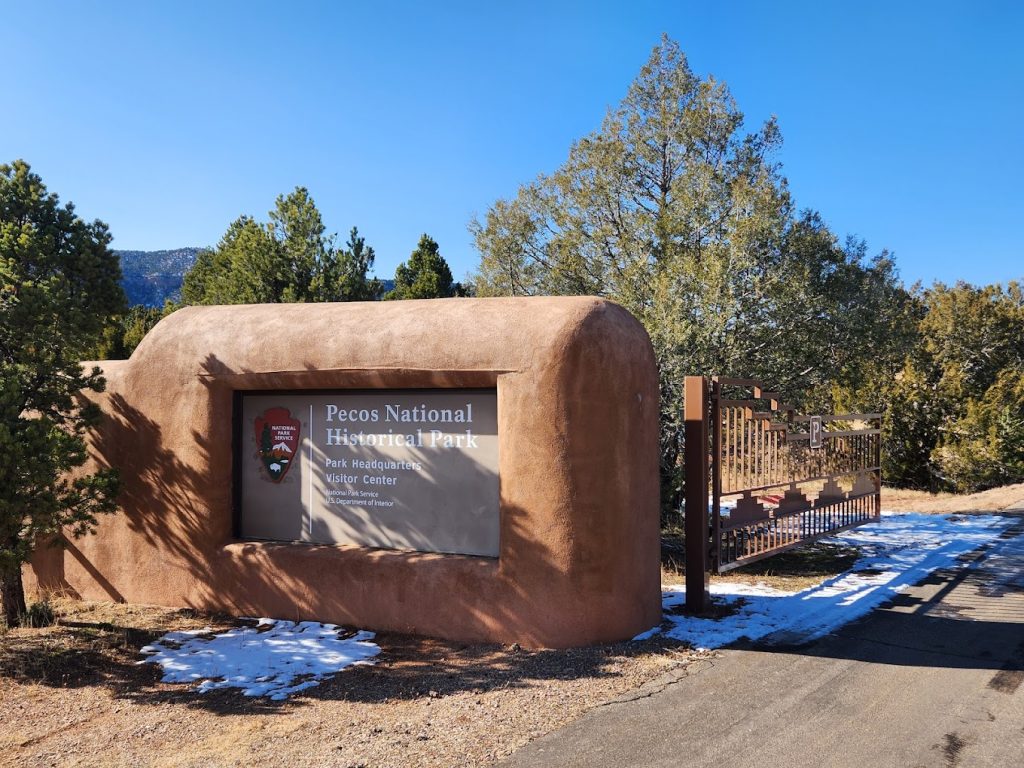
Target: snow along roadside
{"points": [[896, 553]]}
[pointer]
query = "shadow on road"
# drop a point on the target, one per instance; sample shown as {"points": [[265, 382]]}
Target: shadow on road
{"points": [[966, 618]]}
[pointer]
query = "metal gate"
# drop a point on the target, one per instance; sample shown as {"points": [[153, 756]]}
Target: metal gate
{"points": [[761, 478]]}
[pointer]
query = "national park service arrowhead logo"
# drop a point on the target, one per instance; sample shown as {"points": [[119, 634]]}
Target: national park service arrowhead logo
{"points": [[277, 435]]}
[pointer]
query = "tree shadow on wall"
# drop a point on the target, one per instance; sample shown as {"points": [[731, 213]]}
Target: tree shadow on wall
{"points": [[162, 502]]}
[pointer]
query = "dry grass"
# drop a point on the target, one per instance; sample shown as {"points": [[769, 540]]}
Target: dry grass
{"points": [[793, 570], [796, 569], [994, 500]]}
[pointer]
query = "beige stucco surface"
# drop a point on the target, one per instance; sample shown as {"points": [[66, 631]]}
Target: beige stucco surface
{"points": [[578, 413]]}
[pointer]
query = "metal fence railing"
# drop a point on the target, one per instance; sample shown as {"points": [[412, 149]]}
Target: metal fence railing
{"points": [[761, 478]]}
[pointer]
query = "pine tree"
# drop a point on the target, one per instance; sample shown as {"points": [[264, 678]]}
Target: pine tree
{"points": [[425, 276], [954, 409], [675, 212], [59, 286], [287, 259]]}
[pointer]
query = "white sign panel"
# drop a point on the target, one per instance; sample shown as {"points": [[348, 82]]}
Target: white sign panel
{"points": [[405, 469]]}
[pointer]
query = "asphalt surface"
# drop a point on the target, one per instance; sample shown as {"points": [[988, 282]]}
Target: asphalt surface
{"points": [[934, 678]]}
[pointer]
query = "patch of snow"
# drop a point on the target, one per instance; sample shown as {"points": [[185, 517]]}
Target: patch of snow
{"points": [[265, 660], [896, 553], [647, 634], [282, 447]]}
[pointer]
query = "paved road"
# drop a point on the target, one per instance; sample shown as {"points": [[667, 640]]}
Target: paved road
{"points": [[935, 678]]}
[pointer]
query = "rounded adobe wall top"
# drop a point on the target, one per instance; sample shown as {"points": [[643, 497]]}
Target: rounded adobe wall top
{"points": [[505, 334]]}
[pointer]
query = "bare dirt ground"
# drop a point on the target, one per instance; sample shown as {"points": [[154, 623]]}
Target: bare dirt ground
{"points": [[74, 695]]}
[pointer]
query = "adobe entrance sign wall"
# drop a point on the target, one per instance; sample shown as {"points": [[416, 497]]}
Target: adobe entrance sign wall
{"points": [[404, 469], [477, 469]]}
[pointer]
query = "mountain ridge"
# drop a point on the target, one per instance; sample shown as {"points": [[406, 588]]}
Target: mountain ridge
{"points": [[150, 278]]}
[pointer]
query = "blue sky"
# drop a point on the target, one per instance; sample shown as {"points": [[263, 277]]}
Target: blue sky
{"points": [[902, 120]]}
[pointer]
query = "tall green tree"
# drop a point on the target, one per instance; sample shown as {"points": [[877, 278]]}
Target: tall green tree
{"points": [[673, 210], [59, 285], [351, 269], [426, 275], [955, 404], [287, 259]]}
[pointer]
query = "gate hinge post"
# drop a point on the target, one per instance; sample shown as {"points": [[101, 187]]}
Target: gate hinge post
{"points": [[695, 458]]}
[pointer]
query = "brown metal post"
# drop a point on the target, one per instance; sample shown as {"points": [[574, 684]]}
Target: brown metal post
{"points": [[696, 466], [878, 463], [715, 556]]}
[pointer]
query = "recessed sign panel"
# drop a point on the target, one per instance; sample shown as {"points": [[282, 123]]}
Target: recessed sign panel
{"points": [[404, 469]]}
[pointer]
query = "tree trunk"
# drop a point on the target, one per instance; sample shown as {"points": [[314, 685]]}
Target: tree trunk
{"points": [[12, 595]]}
